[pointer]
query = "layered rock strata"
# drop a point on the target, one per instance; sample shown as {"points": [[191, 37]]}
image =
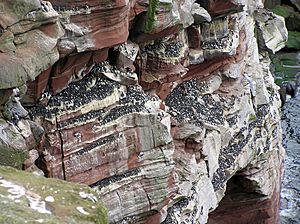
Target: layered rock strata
{"points": [[163, 107]]}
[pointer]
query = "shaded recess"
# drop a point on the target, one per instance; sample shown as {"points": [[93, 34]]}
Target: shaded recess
{"points": [[243, 203]]}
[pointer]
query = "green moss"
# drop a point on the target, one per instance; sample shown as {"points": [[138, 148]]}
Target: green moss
{"points": [[167, 6], [252, 117], [21, 7], [6, 42], [284, 11], [292, 17], [13, 158], [282, 73], [256, 32], [293, 40], [64, 208], [151, 15]]}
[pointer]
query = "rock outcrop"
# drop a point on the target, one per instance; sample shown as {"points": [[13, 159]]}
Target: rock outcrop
{"points": [[271, 30], [29, 34], [167, 109], [27, 198]]}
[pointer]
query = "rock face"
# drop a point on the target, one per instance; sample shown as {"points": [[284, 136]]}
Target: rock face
{"points": [[92, 25], [271, 30], [166, 108], [29, 34]]}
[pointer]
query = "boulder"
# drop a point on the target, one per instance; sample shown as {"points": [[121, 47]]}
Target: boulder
{"points": [[16, 140], [200, 14], [271, 30], [13, 148]]}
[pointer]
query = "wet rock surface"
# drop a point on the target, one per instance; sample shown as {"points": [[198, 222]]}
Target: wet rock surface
{"points": [[290, 192]]}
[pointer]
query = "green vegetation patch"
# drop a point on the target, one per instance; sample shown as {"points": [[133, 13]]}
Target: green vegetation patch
{"points": [[252, 117], [283, 10], [153, 4], [27, 198], [14, 158], [292, 17], [280, 62], [293, 40]]}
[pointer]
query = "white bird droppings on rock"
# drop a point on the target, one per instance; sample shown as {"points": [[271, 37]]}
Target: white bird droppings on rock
{"points": [[83, 194], [81, 210], [49, 199]]}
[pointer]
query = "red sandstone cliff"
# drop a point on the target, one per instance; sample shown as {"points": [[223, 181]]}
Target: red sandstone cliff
{"points": [[164, 107]]}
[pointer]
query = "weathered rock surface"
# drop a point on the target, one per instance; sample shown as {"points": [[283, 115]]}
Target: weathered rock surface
{"points": [[252, 194], [162, 124], [271, 30], [16, 141], [163, 14], [219, 8], [92, 25], [27, 198], [164, 59], [107, 115], [29, 34], [12, 146]]}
